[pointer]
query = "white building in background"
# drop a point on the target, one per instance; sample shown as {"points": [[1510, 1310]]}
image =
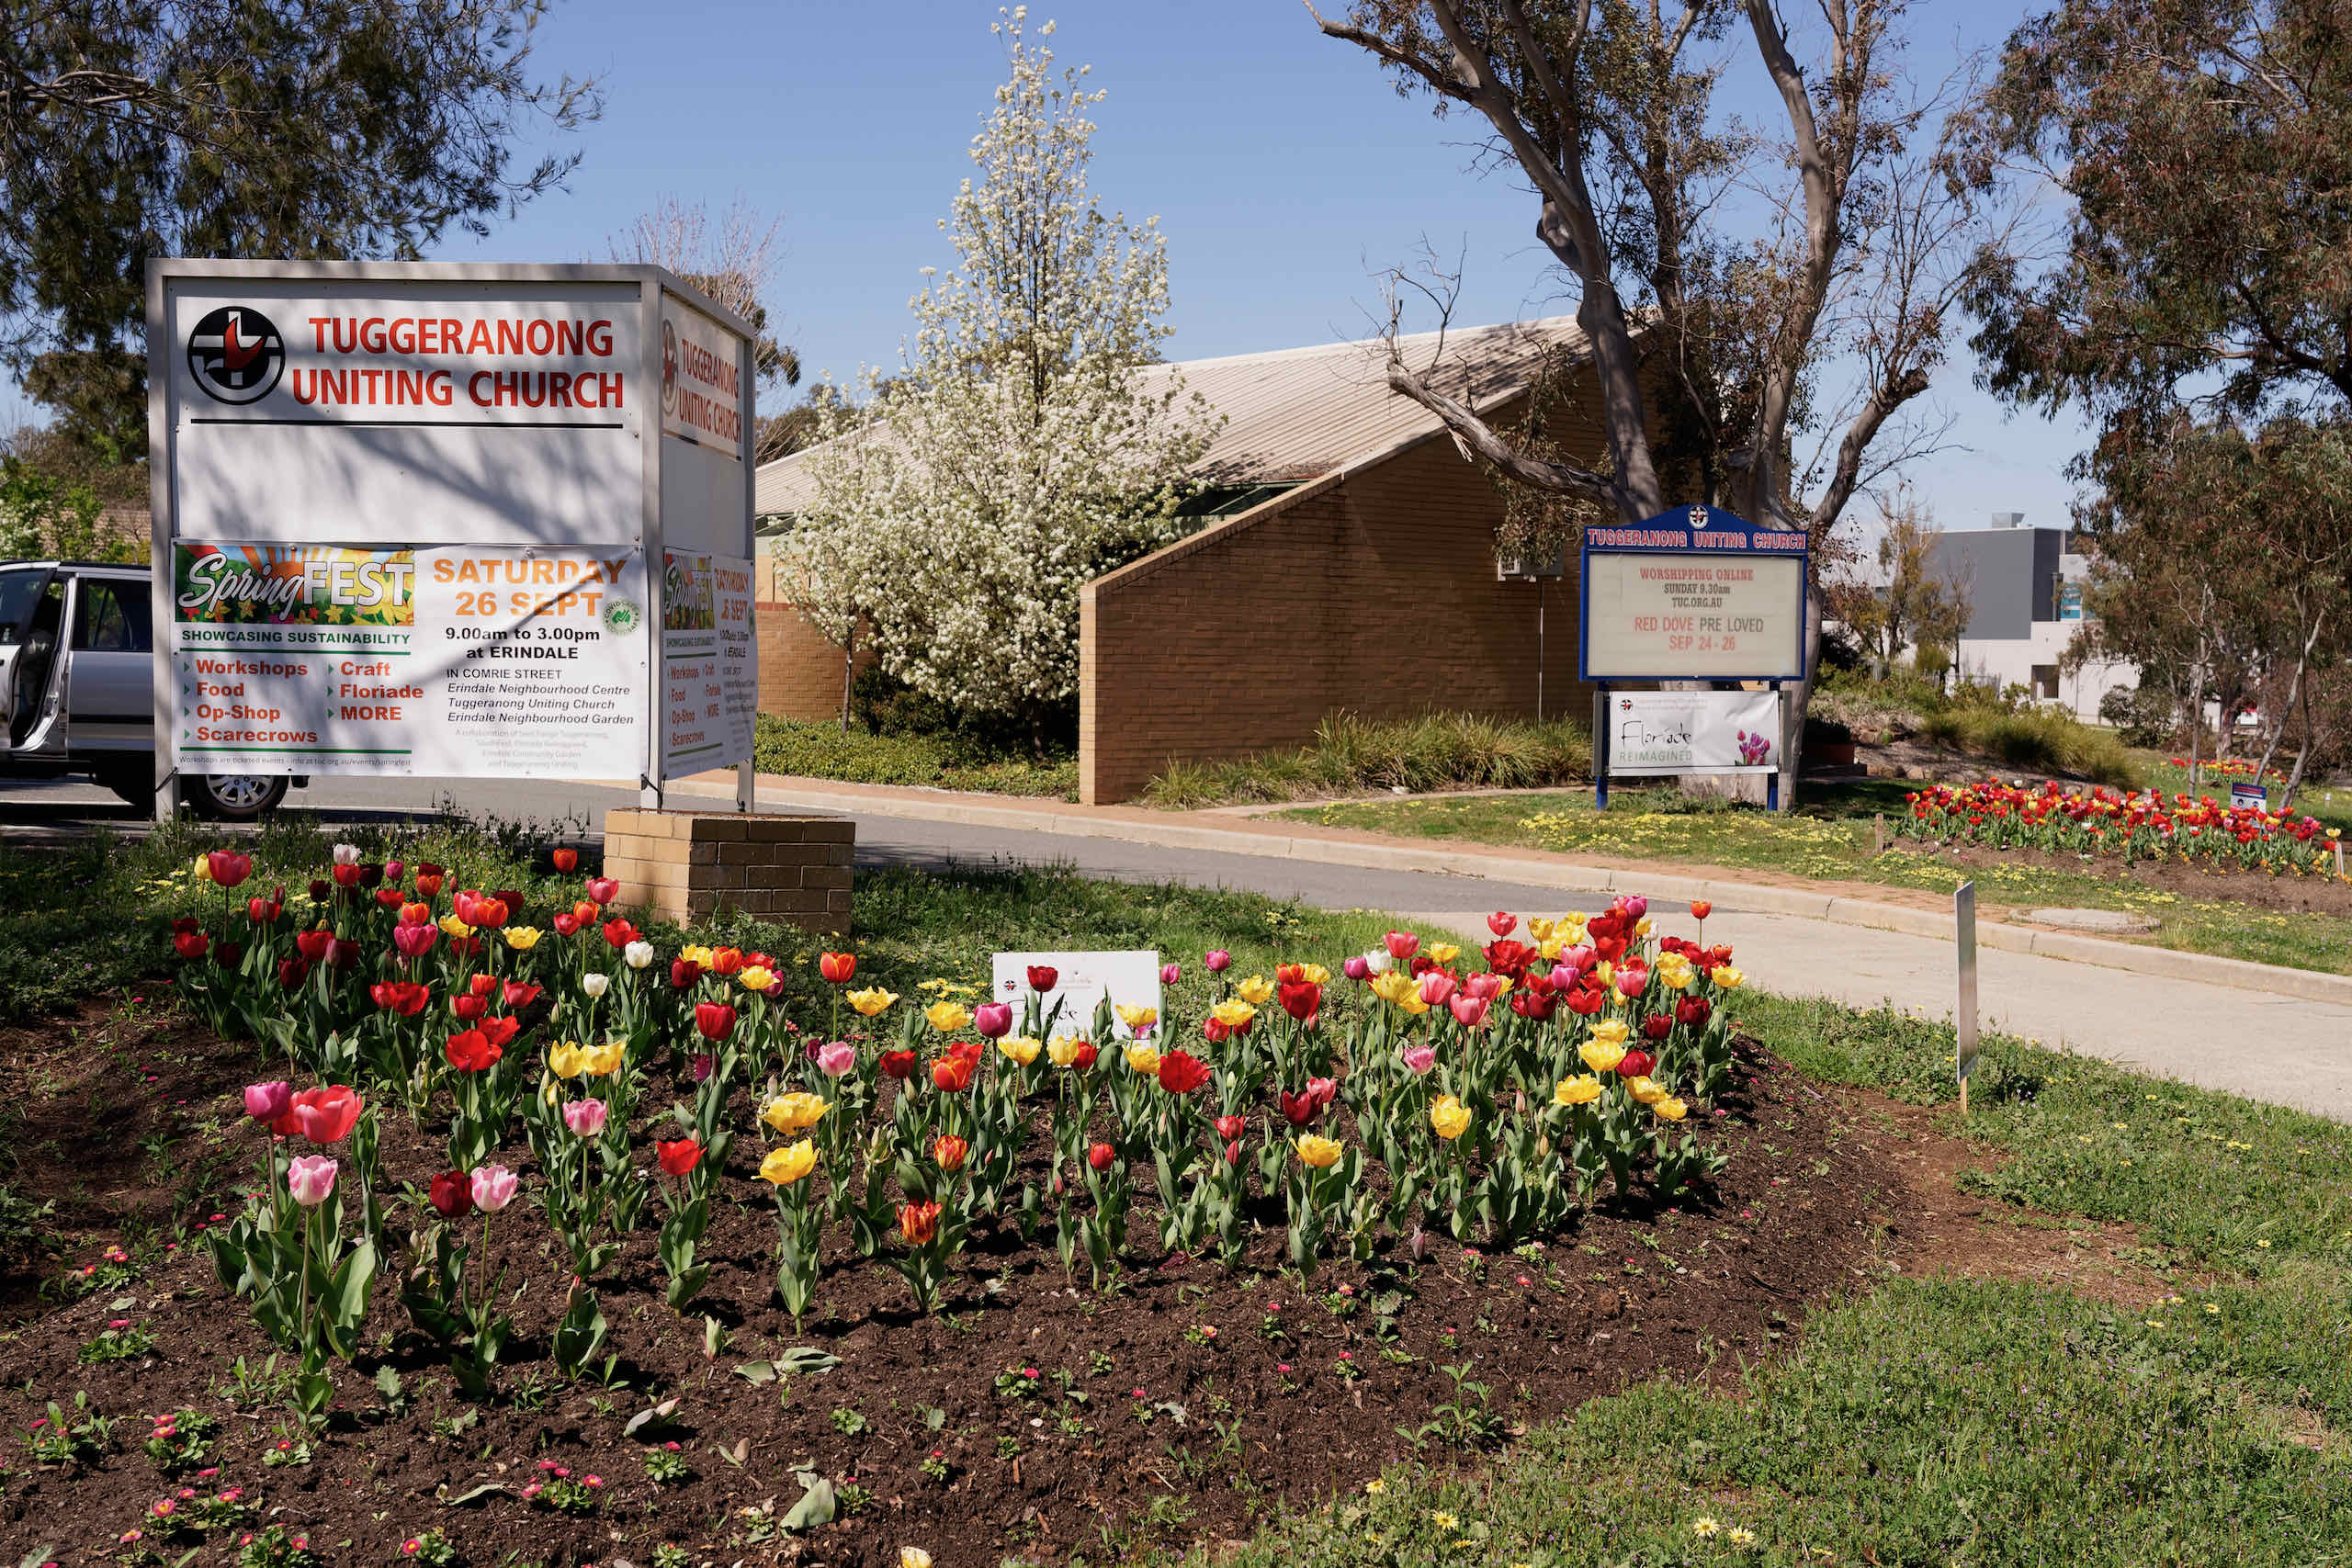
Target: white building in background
{"points": [[2024, 592]]}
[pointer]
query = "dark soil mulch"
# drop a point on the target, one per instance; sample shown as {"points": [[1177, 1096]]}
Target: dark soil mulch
{"points": [[1138, 1429], [2291, 892]]}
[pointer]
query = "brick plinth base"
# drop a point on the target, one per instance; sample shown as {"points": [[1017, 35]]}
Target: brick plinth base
{"points": [[686, 864]]}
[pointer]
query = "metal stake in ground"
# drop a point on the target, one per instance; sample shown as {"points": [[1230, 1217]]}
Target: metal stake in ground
{"points": [[1964, 917]]}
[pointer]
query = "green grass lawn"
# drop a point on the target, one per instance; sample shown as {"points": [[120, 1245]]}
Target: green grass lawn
{"points": [[1948, 1421], [1828, 839], [1924, 1421], [864, 756]]}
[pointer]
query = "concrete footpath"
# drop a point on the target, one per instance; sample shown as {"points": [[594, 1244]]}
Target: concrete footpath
{"points": [[2280, 1036]]}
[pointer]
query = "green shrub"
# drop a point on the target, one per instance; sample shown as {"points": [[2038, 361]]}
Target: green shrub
{"points": [[2042, 739], [1351, 754], [941, 761]]}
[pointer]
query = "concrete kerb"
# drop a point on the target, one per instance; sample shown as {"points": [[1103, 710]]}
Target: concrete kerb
{"points": [[1568, 876]]}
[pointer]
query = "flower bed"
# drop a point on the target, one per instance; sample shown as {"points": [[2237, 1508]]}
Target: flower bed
{"points": [[526, 1151], [2150, 827]]}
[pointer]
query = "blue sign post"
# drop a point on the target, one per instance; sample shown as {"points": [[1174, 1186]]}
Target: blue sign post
{"points": [[1693, 594]]}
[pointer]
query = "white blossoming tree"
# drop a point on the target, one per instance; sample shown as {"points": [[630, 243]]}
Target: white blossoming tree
{"points": [[1022, 446]]}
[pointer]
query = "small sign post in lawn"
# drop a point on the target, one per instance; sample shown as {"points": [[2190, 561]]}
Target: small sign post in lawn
{"points": [[1963, 915]]}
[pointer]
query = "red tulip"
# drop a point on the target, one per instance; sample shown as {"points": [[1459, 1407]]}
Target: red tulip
{"points": [[342, 954], [190, 944], [471, 1052], [949, 1152], [754, 959], [679, 1157], [1693, 1010], [838, 969], [969, 1050], [517, 994], [898, 1064], [1298, 1109], [567, 924], [468, 1007], [952, 1073], [1229, 1127], [1511, 958], [228, 867], [585, 913], [1636, 1065], [726, 960], [406, 997], [618, 934], [1583, 1001], [1700, 908], [416, 914], [387, 898], [1083, 1056], [327, 1114], [490, 912], [1100, 1156], [227, 955], [1216, 1030], [452, 1194], [918, 1222], [1657, 1026], [313, 944], [291, 973], [684, 972], [714, 1021], [565, 861], [482, 985], [428, 886], [1181, 1073], [1301, 1000], [321, 890], [603, 889], [1043, 977], [261, 911], [499, 1031], [1501, 924], [345, 876]]}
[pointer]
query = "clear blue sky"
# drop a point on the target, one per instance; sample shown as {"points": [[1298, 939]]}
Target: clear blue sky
{"points": [[1282, 167]]}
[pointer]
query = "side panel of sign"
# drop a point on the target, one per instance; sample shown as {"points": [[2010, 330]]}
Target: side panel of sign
{"points": [[702, 392], [709, 680], [1700, 616], [497, 412], [1693, 732], [438, 661]]}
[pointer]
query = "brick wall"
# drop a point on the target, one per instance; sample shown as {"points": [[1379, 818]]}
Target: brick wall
{"points": [[686, 864], [800, 672], [1371, 591]]}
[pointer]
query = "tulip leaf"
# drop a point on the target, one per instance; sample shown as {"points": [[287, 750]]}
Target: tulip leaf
{"points": [[761, 1372], [806, 1359], [816, 1506], [37, 1556], [474, 1495], [644, 1418]]}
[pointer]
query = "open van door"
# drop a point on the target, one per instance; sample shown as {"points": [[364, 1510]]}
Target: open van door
{"points": [[32, 637]]}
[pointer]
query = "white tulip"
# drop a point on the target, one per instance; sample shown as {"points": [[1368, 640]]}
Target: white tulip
{"points": [[1377, 961], [594, 984], [346, 854], [638, 953]]}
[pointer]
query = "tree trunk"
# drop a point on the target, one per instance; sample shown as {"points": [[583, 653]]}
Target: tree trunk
{"points": [[849, 674], [2294, 693], [2302, 753], [2196, 712]]}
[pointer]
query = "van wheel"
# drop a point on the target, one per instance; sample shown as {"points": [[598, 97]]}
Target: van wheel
{"points": [[234, 797]]}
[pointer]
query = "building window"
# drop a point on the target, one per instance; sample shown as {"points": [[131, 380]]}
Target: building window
{"points": [[2045, 681]]}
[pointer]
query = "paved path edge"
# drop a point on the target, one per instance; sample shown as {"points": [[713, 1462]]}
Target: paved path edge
{"points": [[1568, 876]]}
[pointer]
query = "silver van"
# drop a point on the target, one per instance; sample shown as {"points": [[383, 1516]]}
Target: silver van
{"points": [[77, 677]]}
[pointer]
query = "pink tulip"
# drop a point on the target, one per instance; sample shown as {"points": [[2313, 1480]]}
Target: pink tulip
{"points": [[1402, 945], [1420, 1058], [494, 1188], [1636, 908], [1631, 981], [1216, 960], [415, 942], [268, 1102], [1356, 968], [1436, 985], [584, 1117], [1485, 988], [1502, 922], [1171, 972], [604, 889], [393, 869], [310, 1177], [1578, 958], [1324, 1091], [993, 1019], [1470, 1012], [836, 1058]]}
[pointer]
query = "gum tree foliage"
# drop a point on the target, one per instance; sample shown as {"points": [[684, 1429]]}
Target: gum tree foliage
{"points": [[1908, 602], [1021, 447], [1719, 269], [302, 128]]}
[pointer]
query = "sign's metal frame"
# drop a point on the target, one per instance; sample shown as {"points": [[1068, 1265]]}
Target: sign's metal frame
{"points": [[1679, 533], [650, 282]]}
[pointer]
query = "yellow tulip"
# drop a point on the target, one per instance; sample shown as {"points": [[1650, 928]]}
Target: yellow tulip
{"points": [[1540, 929], [202, 870], [1233, 1015], [756, 979], [699, 957], [1064, 1050], [870, 1003], [1729, 978], [789, 1164], [1318, 1152], [948, 1017], [1604, 971], [1393, 985], [1412, 1006], [1551, 948], [1143, 1058], [1642, 925], [1649, 1091], [1257, 990], [522, 938], [1601, 1055], [1671, 1109], [1020, 1048], [1136, 1019], [1443, 953], [456, 928], [596, 1061], [793, 1112], [1610, 1030], [1450, 1117], [1581, 1090], [567, 1060], [1315, 973], [1674, 971]]}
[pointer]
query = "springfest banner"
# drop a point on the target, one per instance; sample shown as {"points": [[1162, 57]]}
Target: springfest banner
{"points": [[434, 659]]}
